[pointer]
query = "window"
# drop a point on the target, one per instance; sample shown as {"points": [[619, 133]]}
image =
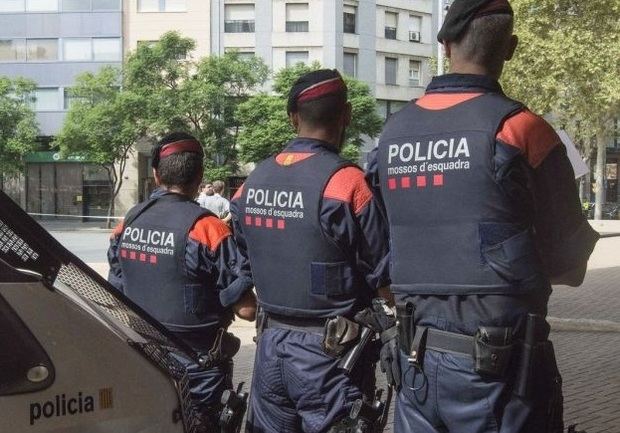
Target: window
{"points": [[46, 99], [239, 18], [68, 99], [385, 108], [41, 5], [75, 5], [349, 64], [12, 50], [294, 57], [88, 5], [391, 24], [148, 6], [106, 49], [415, 67], [12, 6], [349, 17], [415, 28], [41, 49], [75, 50], [297, 17], [162, 5], [106, 5], [246, 55], [391, 68]]}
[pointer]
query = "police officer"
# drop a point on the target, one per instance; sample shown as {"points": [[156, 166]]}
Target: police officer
{"points": [[179, 263], [316, 242], [484, 217]]}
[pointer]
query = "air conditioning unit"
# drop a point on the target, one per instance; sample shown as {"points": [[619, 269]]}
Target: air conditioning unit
{"points": [[415, 37]]}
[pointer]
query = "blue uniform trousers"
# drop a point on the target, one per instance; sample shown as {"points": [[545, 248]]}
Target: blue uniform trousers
{"points": [[298, 388], [449, 396], [207, 385]]}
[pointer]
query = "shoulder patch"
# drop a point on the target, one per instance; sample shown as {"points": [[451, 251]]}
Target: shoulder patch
{"points": [[531, 134], [441, 101], [210, 231], [118, 229], [349, 185], [290, 158], [238, 192]]}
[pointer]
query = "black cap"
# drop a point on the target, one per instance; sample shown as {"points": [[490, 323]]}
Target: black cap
{"points": [[315, 85], [462, 12]]}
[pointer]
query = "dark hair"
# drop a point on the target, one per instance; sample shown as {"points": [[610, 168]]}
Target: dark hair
{"points": [[179, 169], [325, 111], [486, 40]]}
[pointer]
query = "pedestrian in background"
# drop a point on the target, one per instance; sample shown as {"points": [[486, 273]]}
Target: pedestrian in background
{"points": [[484, 216], [217, 204], [206, 189]]}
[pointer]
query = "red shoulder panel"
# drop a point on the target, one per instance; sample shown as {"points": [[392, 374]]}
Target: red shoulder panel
{"points": [[289, 158], [118, 229], [531, 134], [238, 192], [210, 231], [441, 101], [349, 185]]}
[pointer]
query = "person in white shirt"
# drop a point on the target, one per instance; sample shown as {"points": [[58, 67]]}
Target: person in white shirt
{"points": [[217, 204]]}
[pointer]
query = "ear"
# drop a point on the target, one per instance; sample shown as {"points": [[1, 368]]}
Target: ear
{"points": [[294, 119], [512, 47], [447, 49], [157, 178]]}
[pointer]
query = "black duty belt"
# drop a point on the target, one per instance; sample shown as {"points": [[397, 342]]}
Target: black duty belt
{"points": [[443, 341], [304, 324]]}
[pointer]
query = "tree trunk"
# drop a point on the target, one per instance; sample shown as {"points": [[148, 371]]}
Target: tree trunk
{"points": [[601, 155]]}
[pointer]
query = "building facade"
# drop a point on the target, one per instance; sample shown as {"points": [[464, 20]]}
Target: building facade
{"points": [[51, 42]]}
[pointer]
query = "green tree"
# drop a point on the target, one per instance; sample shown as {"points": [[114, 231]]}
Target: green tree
{"points": [[568, 64], [197, 96], [18, 125], [103, 125], [267, 129]]}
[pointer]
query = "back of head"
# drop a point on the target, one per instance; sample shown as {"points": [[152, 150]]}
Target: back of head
{"points": [[178, 160], [479, 32], [218, 186], [318, 98], [486, 41]]}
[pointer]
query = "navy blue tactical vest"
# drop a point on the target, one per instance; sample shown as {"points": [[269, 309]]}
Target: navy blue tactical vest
{"points": [[152, 257], [454, 228], [297, 270]]}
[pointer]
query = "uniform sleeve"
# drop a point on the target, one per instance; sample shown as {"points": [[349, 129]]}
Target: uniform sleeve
{"points": [[352, 218], [212, 253], [372, 177], [563, 235], [244, 261], [115, 274]]}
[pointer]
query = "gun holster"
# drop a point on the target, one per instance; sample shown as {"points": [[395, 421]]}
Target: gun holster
{"points": [[235, 404], [339, 336], [492, 351], [225, 347], [406, 325]]}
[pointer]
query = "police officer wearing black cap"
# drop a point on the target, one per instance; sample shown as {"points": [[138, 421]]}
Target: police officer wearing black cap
{"points": [[179, 262], [484, 216], [316, 241]]}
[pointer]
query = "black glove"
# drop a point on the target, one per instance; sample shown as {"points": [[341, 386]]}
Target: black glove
{"points": [[381, 319], [390, 357]]}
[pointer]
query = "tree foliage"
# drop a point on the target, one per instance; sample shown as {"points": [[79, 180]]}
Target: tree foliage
{"points": [[103, 124], [197, 96], [18, 125], [568, 63], [267, 128]]}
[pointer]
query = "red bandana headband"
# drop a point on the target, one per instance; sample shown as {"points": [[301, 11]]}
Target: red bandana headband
{"points": [[318, 90], [180, 146]]}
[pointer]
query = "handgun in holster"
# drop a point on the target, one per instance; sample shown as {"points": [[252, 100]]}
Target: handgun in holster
{"points": [[225, 347], [235, 404]]}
